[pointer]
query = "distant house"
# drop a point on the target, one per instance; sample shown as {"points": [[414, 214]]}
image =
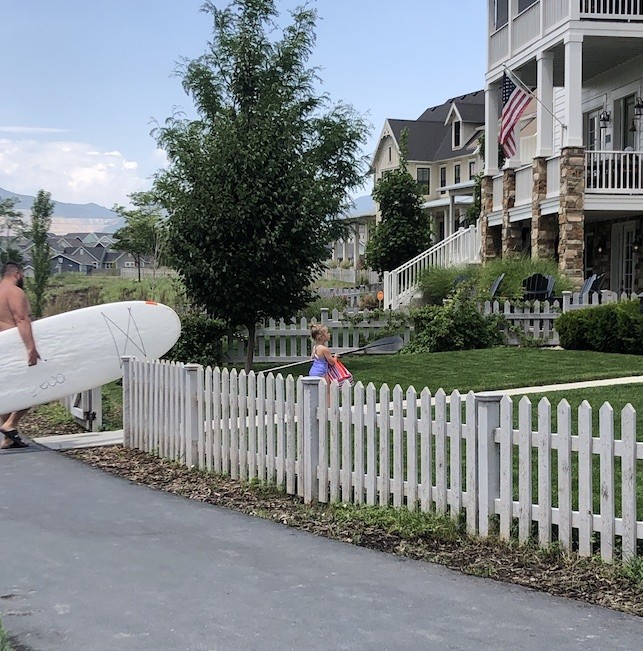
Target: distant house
{"points": [[443, 157]]}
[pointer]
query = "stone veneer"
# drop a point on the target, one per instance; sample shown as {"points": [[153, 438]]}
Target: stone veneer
{"points": [[544, 228], [571, 218], [511, 233], [490, 235]]}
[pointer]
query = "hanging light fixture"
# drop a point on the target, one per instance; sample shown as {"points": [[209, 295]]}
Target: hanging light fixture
{"points": [[605, 117], [638, 107], [632, 128]]}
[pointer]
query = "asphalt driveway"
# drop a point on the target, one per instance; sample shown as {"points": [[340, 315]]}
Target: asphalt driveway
{"points": [[92, 561]]}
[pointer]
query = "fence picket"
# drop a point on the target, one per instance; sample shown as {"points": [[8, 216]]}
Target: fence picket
{"points": [[565, 474], [606, 428], [334, 457], [585, 507], [455, 454], [440, 433], [524, 470], [252, 425], [544, 472], [270, 428], [347, 443], [426, 460], [291, 437], [300, 439], [371, 437], [628, 481], [281, 430], [325, 421], [397, 424], [385, 446], [225, 418], [506, 467], [243, 425], [472, 464], [208, 418], [358, 452], [411, 427], [261, 427], [217, 421]]}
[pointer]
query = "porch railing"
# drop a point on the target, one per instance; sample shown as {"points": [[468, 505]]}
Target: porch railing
{"points": [[611, 9], [614, 172], [401, 284]]}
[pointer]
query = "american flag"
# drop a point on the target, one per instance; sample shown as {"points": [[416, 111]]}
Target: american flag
{"points": [[514, 102]]}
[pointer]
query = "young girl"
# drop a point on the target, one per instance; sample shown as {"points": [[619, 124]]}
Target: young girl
{"points": [[322, 357]]}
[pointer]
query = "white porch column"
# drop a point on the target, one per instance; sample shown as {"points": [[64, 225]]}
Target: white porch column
{"points": [[573, 134], [451, 214], [545, 107], [355, 245], [345, 249], [492, 117]]}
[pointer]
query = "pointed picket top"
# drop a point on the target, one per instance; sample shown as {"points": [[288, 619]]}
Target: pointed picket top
{"points": [[455, 395], [425, 394], [397, 392], [359, 385], [544, 403], [628, 411], [525, 403], [411, 394], [440, 394]]}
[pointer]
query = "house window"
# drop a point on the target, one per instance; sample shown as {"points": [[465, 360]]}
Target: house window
{"points": [[472, 169], [390, 154], [524, 4], [501, 13], [592, 131], [627, 123], [457, 134], [443, 176], [424, 180], [456, 173]]}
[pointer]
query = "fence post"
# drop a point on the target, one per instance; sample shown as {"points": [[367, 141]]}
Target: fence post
{"points": [[193, 423], [488, 409], [127, 393], [311, 437], [567, 301]]}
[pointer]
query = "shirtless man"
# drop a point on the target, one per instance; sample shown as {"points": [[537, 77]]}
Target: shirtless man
{"points": [[15, 312]]}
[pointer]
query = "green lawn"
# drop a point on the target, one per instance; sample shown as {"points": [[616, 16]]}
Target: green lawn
{"points": [[491, 368]]}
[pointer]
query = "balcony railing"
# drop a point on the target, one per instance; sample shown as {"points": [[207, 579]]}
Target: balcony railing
{"points": [[614, 172], [611, 9]]}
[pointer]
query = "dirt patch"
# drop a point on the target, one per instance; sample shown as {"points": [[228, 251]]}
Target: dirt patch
{"points": [[550, 571]]}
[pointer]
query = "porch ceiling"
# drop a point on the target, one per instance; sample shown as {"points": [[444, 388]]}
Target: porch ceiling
{"points": [[598, 57]]}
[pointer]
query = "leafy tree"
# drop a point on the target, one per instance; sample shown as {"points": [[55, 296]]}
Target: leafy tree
{"points": [[12, 226], [255, 185], [405, 230], [41, 212], [144, 233]]}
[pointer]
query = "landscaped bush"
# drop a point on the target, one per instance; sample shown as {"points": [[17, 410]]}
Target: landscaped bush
{"points": [[314, 308], [456, 325], [438, 283], [613, 328], [200, 341]]}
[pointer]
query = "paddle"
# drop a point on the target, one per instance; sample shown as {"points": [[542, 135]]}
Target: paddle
{"points": [[385, 345]]}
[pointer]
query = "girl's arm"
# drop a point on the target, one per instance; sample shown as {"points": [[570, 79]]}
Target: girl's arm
{"points": [[330, 358]]}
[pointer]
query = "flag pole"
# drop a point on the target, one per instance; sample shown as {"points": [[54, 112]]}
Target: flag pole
{"points": [[532, 94]]}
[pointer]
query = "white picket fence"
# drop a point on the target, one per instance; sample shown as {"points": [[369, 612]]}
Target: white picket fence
{"points": [[454, 455], [281, 341], [537, 319]]}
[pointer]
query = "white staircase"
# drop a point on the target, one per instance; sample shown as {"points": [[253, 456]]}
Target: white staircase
{"points": [[401, 284]]}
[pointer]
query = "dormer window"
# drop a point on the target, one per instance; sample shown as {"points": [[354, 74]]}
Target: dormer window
{"points": [[457, 134], [501, 13]]}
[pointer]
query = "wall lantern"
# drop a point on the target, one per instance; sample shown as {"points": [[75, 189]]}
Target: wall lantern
{"points": [[638, 108], [605, 117]]}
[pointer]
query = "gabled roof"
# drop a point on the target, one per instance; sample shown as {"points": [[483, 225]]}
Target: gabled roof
{"points": [[430, 135]]}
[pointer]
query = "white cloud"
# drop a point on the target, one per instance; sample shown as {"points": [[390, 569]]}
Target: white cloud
{"points": [[74, 172], [31, 130]]}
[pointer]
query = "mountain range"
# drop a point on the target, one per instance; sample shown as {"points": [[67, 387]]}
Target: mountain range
{"points": [[70, 217]]}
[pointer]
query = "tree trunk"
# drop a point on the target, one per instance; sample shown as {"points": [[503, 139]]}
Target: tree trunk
{"points": [[250, 351]]}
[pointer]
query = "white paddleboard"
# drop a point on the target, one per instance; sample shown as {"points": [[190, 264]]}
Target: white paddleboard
{"points": [[82, 349]]}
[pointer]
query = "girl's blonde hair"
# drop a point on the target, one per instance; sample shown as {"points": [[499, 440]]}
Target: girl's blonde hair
{"points": [[316, 330]]}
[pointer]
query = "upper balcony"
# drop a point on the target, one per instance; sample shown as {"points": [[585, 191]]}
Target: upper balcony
{"points": [[537, 20]]}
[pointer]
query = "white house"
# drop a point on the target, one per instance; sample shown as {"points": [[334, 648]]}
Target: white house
{"points": [[573, 191]]}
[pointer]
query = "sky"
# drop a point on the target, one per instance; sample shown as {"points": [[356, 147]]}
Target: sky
{"points": [[82, 83]]}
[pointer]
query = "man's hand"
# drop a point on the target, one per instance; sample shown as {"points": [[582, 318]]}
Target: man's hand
{"points": [[33, 357]]}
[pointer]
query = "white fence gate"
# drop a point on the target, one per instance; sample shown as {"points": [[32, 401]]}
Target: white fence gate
{"points": [[454, 455]]}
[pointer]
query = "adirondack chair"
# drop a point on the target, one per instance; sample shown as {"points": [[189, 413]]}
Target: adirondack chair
{"points": [[495, 286], [591, 285], [587, 285], [537, 287]]}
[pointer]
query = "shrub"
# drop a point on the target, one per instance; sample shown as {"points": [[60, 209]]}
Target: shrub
{"points": [[613, 328], [456, 325], [438, 283], [200, 341], [314, 308], [368, 302]]}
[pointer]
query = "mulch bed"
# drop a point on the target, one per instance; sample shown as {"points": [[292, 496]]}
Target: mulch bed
{"points": [[554, 572]]}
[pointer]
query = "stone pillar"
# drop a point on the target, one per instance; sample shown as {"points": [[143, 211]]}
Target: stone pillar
{"points": [[544, 229], [571, 216], [511, 233], [490, 236]]}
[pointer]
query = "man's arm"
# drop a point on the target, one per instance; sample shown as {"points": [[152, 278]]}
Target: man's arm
{"points": [[19, 306]]}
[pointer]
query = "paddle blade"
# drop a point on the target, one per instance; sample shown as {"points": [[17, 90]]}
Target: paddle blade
{"points": [[384, 346]]}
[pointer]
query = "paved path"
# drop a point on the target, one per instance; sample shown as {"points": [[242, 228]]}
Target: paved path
{"points": [[93, 562]]}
